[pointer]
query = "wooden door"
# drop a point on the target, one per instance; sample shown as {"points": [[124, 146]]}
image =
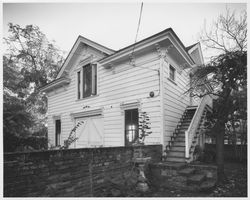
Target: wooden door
{"points": [[90, 133]]}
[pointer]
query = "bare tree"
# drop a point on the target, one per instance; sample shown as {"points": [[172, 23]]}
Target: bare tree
{"points": [[224, 76], [227, 34]]}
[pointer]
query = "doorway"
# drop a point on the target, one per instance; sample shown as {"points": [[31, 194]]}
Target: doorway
{"points": [[131, 126]]}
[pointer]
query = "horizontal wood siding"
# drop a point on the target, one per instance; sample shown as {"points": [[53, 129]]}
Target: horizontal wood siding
{"points": [[133, 84], [175, 99]]}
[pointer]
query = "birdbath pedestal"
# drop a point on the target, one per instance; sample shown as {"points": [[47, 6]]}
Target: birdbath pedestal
{"points": [[142, 184]]}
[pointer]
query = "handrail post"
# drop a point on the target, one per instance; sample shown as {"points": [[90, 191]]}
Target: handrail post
{"points": [[186, 145]]}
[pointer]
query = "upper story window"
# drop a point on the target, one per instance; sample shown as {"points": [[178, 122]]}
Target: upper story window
{"points": [[172, 72], [87, 81]]}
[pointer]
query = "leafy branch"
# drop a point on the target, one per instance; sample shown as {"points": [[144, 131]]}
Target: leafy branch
{"points": [[144, 127]]}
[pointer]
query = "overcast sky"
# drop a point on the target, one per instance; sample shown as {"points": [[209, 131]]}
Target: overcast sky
{"points": [[114, 24]]}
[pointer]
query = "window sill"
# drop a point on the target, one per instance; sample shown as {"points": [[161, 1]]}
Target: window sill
{"points": [[172, 81], [85, 98]]}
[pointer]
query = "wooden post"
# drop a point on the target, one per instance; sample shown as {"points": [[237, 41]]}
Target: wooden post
{"points": [[186, 145]]}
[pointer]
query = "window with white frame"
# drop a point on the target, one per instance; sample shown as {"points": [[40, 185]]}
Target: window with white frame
{"points": [[57, 132], [172, 72], [87, 81]]}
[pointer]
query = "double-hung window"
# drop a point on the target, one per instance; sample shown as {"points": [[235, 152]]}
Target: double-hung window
{"points": [[87, 81], [171, 72]]}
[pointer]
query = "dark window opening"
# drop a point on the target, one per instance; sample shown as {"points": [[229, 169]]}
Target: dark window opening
{"points": [[131, 126], [58, 132], [78, 85], [171, 73], [94, 81], [89, 80]]}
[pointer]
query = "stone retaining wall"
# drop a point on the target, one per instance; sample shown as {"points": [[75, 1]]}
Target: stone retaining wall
{"points": [[69, 173], [180, 175]]}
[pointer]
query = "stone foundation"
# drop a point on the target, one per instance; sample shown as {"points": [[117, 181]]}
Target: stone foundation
{"points": [[183, 176]]}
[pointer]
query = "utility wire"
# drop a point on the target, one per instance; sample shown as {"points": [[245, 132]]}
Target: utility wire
{"points": [[138, 26], [132, 54]]}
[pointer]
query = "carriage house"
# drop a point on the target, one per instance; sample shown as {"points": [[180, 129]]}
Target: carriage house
{"points": [[108, 89]]}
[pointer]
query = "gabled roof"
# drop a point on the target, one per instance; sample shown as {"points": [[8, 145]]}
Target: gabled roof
{"points": [[55, 84], [109, 53], [170, 30], [95, 44], [191, 46], [91, 43]]}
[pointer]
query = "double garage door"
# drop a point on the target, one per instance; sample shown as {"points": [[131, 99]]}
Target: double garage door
{"points": [[90, 132]]}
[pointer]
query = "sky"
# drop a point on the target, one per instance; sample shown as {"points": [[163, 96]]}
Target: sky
{"points": [[114, 25]]}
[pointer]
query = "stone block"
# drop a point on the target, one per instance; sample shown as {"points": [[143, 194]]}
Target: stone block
{"points": [[207, 185], [187, 171], [196, 179]]}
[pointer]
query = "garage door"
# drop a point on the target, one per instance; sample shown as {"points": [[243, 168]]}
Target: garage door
{"points": [[90, 133]]}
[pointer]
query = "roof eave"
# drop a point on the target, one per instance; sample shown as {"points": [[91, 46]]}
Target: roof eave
{"points": [[144, 43], [55, 84]]}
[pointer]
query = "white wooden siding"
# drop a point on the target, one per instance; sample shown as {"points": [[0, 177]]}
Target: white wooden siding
{"points": [[133, 84], [175, 99]]}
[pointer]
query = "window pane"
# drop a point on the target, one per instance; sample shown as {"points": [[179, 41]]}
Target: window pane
{"points": [[171, 73], [94, 79], [131, 126], [78, 85], [58, 132], [87, 80]]}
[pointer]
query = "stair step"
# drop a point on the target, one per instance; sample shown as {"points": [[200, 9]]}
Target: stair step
{"points": [[186, 171], [182, 129], [188, 117], [189, 114], [181, 133], [196, 179], [184, 126], [176, 153], [175, 159], [185, 123], [177, 143], [180, 139], [172, 165], [177, 148], [192, 107]]}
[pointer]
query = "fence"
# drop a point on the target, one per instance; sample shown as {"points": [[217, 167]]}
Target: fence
{"points": [[231, 152]]}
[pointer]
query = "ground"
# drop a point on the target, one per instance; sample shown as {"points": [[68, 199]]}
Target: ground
{"points": [[235, 186]]}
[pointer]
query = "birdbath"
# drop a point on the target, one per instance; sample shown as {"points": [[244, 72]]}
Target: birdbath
{"points": [[142, 184]]}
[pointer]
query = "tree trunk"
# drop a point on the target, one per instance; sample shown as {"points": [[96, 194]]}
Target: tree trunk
{"points": [[222, 119], [220, 155]]}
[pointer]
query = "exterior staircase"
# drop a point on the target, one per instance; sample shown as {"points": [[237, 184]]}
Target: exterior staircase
{"points": [[177, 169], [176, 147]]}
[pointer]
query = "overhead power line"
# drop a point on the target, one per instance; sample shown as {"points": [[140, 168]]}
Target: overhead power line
{"points": [[138, 26]]}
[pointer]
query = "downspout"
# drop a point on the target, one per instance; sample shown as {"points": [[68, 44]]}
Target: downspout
{"points": [[161, 87]]}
